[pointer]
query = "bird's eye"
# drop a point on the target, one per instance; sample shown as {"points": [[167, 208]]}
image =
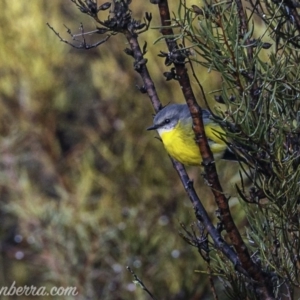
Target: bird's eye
{"points": [[167, 121]]}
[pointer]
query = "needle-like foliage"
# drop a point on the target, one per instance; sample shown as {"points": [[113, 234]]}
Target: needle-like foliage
{"points": [[254, 49]]}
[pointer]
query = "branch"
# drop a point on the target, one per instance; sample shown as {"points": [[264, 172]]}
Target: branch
{"points": [[203, 217], [121, 21], [201, 214], [82, 44], [139, 282], [140, 66], [208, 161]]}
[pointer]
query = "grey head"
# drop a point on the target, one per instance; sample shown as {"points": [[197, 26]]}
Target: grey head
{"points": [[167, 118]]}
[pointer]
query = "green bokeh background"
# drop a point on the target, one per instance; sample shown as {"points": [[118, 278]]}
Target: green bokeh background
{"points": [[85, 189]]}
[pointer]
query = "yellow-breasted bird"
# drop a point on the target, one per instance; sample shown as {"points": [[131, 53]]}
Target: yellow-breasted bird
{"points": [[174, 126]]}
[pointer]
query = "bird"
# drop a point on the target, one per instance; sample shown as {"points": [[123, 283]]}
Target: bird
{"points": [[175, 127]]}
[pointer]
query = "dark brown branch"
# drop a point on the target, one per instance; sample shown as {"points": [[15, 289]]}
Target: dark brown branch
{"points": [[129, 28], [201, 214], [208, 161], [200, 211], [185, 85], [122, 22]]}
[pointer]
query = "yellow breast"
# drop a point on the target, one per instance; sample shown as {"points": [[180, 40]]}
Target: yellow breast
{"points": [[180, 143]]}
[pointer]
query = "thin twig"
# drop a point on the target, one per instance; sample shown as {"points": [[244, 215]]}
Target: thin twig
{"points": [[140, 283], [82, 45]]}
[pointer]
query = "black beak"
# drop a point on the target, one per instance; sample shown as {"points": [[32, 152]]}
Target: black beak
{"points": [[153, 127]]}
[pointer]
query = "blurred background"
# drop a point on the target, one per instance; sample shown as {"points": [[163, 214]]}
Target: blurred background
{"points": [[85, 189]]}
